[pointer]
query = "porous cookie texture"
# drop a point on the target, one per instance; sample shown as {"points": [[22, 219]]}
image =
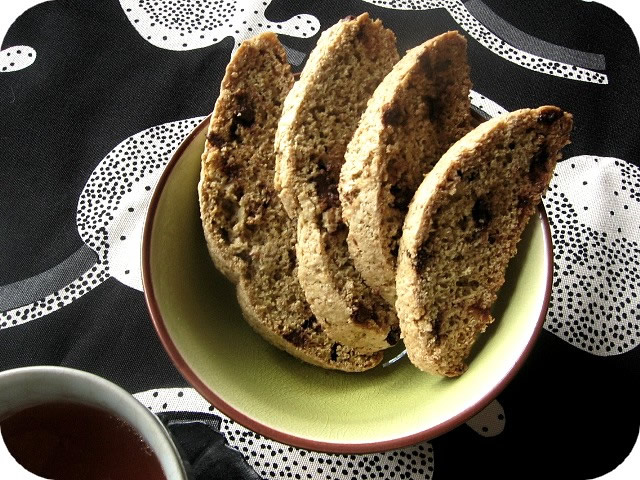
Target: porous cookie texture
{"points": [[249, 236], [418, 111], [462, 229], [319, 117]]}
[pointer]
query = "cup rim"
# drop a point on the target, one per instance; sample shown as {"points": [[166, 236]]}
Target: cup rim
{"points": [[162, 444], [294, 440]]}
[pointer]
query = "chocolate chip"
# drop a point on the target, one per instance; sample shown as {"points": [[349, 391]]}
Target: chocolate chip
{"points": [[244, 255], [224, 234], [215, 139], [244, 115], [512, 145], [362, 314], [300, 336], [422, 258], [481, 213], [326, 190], [393, 115], [437, 327], [229, 168], [339, 233], [334, 352], [425, 64], [539, 164], [442, 65], [393, 336], [293, 260], [523, 202], [297, 337], [434, 106], [401, 197], [251, 225], [265, 202], [395, 242], [491, 239], [549, 116], [309, 322], [430, 66]]}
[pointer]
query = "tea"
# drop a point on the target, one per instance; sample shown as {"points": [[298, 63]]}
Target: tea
{"points": [[78, 442]]}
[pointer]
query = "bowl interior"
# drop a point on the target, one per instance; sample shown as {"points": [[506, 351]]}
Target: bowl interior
{"points": [[200, 323]]}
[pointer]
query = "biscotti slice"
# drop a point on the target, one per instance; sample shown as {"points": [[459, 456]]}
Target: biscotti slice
{"points": [[462, 229], [418, 111], [319, 117], [248, 233]]}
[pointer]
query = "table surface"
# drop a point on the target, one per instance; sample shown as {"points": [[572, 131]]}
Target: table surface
{"points": [[84, 83]]}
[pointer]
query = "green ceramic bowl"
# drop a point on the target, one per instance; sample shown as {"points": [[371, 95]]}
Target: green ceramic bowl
{"points": [[199, 322]]}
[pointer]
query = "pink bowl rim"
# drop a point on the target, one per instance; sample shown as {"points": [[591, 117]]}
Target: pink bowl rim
{"points": [[293, 440]]}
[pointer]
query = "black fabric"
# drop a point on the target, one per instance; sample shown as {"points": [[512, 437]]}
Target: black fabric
{"points": [[96, 82]]}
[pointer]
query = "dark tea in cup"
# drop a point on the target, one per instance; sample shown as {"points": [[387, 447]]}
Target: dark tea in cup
{"points": [[64, 440]]}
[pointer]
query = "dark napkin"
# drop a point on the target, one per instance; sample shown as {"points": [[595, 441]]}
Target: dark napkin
{"points": [[204, 450]]}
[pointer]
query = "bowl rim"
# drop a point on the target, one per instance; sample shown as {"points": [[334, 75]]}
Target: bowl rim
{"points": [[293, 440]]}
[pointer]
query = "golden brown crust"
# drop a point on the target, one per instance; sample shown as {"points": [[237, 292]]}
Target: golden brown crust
{"points": [[249, 236], [462, 229], [418, 111]]}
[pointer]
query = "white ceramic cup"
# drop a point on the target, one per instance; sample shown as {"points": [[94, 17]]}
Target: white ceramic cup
{"points": [[21, 388]]}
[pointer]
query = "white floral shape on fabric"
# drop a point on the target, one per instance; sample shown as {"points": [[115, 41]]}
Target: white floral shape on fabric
{"points": [[270, 458], [114, 202], [594, 210], [489, 40], [490, 421], [16, 58], [185, 25], [110, 217]]}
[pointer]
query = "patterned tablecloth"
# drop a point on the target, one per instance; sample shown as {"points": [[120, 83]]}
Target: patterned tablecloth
{"points": [[95, 97]]}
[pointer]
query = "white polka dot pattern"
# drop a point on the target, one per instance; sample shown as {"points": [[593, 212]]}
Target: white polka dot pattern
{"points": [[490, 421], [487, 106], [16, 58], [114, 202], [186, 24], [486, 38], [594, 211], [74, 290], [110, 216], [272, 459]]}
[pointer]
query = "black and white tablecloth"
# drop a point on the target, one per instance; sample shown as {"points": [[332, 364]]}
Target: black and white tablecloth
{"points": [[96, 95]]}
